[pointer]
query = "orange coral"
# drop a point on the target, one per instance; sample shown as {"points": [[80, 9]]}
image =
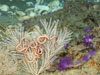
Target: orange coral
{"points": [[93, 63]]}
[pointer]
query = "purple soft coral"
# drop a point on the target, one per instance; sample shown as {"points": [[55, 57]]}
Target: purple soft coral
{"points": [[24, 21], [88, 30], [65, 63], [92, 53], [66, 46], [87, 57], [87, 40]]}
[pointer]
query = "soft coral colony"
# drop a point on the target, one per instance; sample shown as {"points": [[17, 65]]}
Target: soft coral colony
{"points": [[68, 62], [36, 49]]}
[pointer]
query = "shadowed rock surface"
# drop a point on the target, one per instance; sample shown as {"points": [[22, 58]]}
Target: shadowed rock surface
{"points": [[77, 16], [6, 20]]}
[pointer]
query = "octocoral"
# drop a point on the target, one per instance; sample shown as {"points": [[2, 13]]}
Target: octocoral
{"points": [[51, 47], [68, 62], [9, 63]]}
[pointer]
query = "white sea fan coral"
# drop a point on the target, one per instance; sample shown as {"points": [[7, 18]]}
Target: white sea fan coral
{"points": [[51, 47], [50, 50], [8, 63], [11, 37]]}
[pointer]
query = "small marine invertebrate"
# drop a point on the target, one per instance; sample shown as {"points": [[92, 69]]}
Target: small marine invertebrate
{"points": [[36, 49]]}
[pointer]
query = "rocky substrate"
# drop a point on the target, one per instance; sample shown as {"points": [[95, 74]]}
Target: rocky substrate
{"points": [[77, 16]]}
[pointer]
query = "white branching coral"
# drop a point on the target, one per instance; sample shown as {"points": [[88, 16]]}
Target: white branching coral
{"points": [[8, 63], [11, 37], [50, 29], [54, 42]]}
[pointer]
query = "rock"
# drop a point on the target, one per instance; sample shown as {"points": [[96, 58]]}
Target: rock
{"points": [[14, 7], [20, 13], [54, 4], [40, 8], [30, 12], [7, 20], [23, 18], [75, 16], [4, 7]]}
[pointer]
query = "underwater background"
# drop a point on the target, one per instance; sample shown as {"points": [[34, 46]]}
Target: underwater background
{"points": [[49, 37]]}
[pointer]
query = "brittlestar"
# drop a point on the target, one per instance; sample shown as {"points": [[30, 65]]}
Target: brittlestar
{"points": [[34, 46]]}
